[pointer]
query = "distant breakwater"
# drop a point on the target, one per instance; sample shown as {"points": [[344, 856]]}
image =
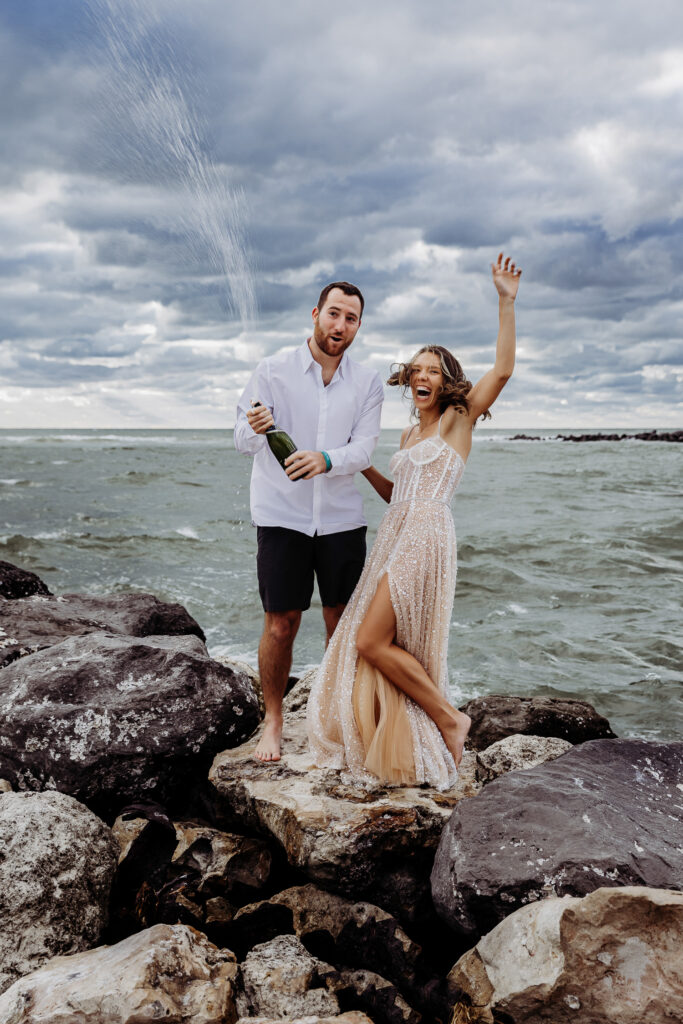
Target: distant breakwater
{"points": [[648, 435]]}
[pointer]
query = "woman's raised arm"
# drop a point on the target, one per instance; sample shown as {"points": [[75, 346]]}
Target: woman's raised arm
{"points": [[485, 391]]}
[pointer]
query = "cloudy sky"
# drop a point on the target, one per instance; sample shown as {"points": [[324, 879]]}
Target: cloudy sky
{"points": [[179, 180]]}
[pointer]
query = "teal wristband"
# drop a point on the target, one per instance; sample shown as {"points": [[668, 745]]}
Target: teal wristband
{"points": [[328, 461]]}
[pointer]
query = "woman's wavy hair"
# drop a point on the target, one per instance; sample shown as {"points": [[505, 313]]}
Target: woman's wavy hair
{"points": [[456, 386]]}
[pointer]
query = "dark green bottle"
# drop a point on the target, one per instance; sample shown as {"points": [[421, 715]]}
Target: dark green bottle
{"points": [[279, 442]]}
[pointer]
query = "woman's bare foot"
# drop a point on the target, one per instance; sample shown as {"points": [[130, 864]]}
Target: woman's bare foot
{"points": [[455, 734], [268, 747]]}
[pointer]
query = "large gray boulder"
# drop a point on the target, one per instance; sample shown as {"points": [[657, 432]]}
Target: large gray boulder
{"points": [[606, 813], [168, 972], [114, 719], [57, 862], [35, 622], [496, 716], [613, 956]]}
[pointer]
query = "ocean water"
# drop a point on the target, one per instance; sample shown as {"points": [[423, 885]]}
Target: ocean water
{"points": [[569, 555]]}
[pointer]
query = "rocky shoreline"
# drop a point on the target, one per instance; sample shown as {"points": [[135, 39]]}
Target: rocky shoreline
{"points": [[151, 869], [646, 435]]}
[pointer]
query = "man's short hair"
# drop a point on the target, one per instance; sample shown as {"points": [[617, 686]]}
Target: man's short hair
{"points": [[344, 286]]}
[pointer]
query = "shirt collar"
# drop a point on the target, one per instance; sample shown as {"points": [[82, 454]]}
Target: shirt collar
{"points": [[307, 361]]}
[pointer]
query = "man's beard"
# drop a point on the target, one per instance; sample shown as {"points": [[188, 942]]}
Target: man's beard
{"points": [[326, 346]]}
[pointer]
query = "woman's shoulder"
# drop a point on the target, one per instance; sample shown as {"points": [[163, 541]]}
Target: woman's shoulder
{"points": [[404, 434]]}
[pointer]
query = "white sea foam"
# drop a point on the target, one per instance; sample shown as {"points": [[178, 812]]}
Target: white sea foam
{"points": [[187, 531]]}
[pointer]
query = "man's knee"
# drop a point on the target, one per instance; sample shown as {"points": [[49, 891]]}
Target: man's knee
{"points": [[281, 627]]}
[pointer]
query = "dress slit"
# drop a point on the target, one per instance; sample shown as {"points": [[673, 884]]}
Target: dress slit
{"points": [[357, 719]]}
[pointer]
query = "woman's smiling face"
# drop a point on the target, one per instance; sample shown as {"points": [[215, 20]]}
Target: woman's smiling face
{"points": [[426, 380]]}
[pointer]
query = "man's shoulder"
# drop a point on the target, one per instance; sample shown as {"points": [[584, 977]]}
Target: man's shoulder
{"points": [[361, 371], [283, 357]]}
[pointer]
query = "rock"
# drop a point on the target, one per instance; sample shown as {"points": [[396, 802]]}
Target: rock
{"points": [[345, 934], [146, 846], [376, 842], [168, 972], [606, 813], [495, 717], [57, 861], [16, 583], [614, 955], [113, 719], [352, 1017], [5, 786], [517, 753], [296, 697], [245, 669], [36, 622], [280, 978], [223, 862], [373, 993], [183, 873]]}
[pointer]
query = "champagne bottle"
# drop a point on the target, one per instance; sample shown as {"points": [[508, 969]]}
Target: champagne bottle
{"points": [[279, 441]]}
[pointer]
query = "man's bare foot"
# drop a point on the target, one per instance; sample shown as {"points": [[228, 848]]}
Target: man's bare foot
{"points": [[455, 735], [268, 747]]}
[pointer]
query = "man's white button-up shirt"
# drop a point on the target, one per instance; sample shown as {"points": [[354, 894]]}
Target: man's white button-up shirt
{"points": [[341, 418]]}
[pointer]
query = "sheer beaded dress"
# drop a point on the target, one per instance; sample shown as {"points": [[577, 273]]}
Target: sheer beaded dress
{"points": [[358, 721]]}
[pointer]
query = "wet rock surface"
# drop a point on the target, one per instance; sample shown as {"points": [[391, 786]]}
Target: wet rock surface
{"points": [[57, 862], [112, 719], [517, 753], [39, 621], [606, 813], [17, 583], [614, 955], [164, 973], [376, 843], [497, 716]]}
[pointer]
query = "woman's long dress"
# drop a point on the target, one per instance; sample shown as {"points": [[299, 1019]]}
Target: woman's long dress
{"points": [[357, 719]]}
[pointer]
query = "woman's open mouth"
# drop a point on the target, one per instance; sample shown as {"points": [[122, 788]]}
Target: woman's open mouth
{"points": [[422, 392]]}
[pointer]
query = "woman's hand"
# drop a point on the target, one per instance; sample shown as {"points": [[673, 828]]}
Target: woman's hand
{"points": [[505, 277]]}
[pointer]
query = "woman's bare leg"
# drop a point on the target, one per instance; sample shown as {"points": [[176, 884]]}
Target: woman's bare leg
{"points": [[376, 642]]}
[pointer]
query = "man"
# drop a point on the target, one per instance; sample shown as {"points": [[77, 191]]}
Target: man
{"points": [[310, 518]]}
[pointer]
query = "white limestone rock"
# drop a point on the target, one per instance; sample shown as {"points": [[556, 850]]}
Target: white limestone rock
{"points": [[517, 753], [57, 862], [614, 955], [168, 972], [280, 978]]}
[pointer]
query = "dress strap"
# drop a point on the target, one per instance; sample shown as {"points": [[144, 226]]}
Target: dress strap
{"points": [[440, 418], [407, 436]]}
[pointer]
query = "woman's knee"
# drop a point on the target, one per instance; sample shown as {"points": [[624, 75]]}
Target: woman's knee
{"points": [[367, 645]]}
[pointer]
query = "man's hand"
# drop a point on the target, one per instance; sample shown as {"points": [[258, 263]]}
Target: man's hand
{"points": [[260, 418], [304, 465]]}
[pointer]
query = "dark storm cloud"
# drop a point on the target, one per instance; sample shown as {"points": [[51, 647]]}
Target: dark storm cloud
{"points": [[399, 145]]}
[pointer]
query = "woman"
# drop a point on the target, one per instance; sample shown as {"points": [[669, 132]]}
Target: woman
{"points": [[378, 706]]}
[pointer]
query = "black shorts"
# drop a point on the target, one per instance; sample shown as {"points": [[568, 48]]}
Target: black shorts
{"points": [[287, 560]]}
